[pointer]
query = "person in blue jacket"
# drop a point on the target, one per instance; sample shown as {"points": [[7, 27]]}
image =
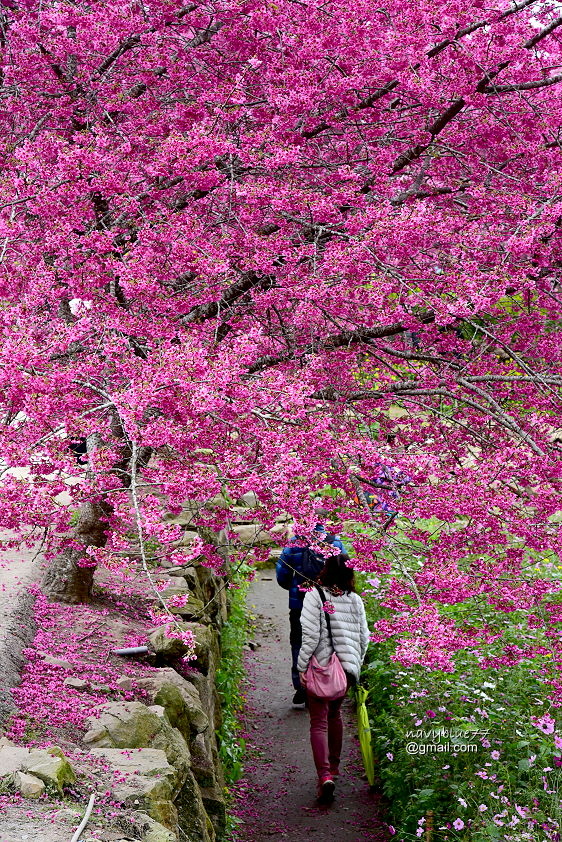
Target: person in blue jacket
{"points": [[289, 575]]}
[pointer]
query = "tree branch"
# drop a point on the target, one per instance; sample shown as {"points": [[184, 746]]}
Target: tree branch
{"points": [[206, 34], [473, 27], [133, 40], [124, 46], [434, 130], [250, 280], [543, 33], [410, 389], [523, 86], [332, 343]]}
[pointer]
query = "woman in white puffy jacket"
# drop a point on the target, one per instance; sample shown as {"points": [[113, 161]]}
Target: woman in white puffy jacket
{"points": [[350, 635]]}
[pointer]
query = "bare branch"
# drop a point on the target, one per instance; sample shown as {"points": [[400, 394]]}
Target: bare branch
{"points": [[412, 388], [133, 40], [124, 46], [466, 30], [523, 86], [473, 27], [543, 33], [205, 35], [250, 280], [434, 130], [332, 343]]}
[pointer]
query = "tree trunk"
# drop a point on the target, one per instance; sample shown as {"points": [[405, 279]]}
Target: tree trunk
{"points": [[66, 581]]}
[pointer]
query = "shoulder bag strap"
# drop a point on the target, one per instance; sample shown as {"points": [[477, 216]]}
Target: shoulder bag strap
{"points": [[326, 615]]}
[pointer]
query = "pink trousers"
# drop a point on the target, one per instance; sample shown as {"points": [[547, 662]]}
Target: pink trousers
{"points": [[326, 734]]}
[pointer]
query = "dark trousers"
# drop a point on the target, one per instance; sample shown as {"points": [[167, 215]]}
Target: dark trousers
{"points": [[295, 639]]}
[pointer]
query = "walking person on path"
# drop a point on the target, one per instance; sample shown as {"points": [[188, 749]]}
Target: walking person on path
{"points": [[293, 571], [338, 625]]}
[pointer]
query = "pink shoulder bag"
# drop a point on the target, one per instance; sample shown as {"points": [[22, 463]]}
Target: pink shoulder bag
{"points": [[329, 682]]}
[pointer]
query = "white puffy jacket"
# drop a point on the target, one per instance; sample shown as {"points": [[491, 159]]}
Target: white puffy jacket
{"points": [[350, 631]]}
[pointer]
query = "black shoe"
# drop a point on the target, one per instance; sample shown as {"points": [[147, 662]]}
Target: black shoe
{"points": [[299, 699]]}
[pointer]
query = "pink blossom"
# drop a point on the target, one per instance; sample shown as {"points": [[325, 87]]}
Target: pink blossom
{"points": [[331, 264], [545, 723]]}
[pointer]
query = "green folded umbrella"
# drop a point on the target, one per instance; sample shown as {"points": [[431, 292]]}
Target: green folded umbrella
{"points": [[364, 728]]}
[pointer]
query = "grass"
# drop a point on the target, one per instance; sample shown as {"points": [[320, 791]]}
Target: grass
{"points": [[230, 685]]}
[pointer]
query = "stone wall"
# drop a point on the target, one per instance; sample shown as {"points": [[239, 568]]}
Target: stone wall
{"points": [[157, 755], [178, 781]]}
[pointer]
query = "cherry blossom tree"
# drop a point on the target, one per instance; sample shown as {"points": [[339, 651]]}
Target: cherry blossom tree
{"points": [[274, 247]]}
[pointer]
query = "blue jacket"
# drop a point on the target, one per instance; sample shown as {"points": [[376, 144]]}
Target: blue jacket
{"points": [[287, 578]]}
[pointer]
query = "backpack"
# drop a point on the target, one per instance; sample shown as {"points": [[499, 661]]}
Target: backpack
{"points": [[311, 564]]}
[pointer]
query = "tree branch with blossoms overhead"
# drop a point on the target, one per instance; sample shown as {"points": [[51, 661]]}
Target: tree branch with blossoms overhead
{"points": [[287, 240]]}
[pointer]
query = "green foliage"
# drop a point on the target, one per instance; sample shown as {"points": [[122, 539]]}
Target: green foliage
{"points": [[230, 678], [154, 551], [465, 746], [230, 681]]}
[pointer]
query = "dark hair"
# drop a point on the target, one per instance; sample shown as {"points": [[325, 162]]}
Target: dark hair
{"points": [[336, 573]]}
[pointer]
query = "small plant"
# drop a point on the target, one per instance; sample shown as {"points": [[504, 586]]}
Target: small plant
{"points": [[230, 677]]}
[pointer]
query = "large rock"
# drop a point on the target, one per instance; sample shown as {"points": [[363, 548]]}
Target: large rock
{"points": [[253, 534], [207, 651], [205, 763], [208, 694], [166, 788], [49, 765], [13, 759], [178, 573], [150, 762], [122, 725], [189, 508], [168, 648], [143, 779], [191, 577], [195, 824], [28, 785], [151, 830], [76, 683], [250, 498], [57, 662], [134, 725], [151, 795], [55, 772], [215, 807], [172, 742], [193, 607], [176, 579], [189, 536], [124, 684], [202, 761], [179, 699]]}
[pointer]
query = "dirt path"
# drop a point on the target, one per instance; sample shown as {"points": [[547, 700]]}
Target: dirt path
{"points": [[279, 787], [18, 569]]}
